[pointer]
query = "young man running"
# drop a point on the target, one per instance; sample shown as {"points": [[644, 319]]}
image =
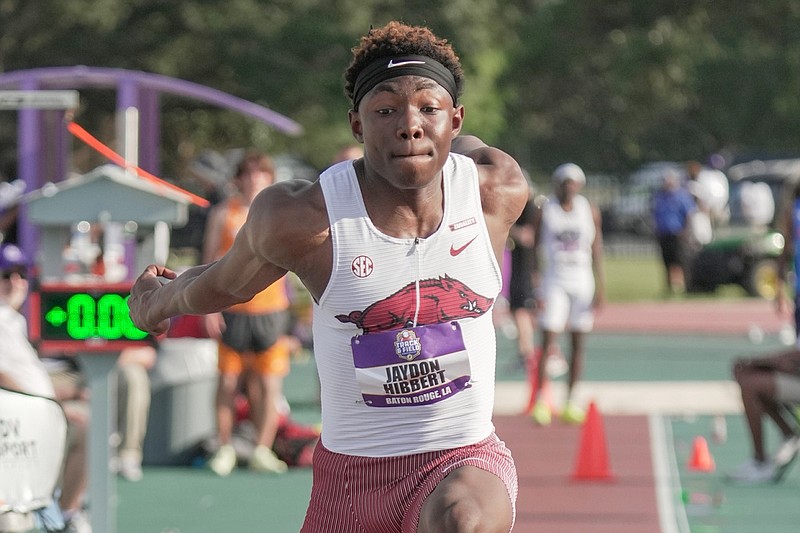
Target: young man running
{"points": [[401, 252]]}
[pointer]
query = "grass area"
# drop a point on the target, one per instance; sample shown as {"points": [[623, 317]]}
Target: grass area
{"points": [[634, 278]]}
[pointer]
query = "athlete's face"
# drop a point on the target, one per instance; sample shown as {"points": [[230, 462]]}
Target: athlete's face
{"points": [[568, 189], [407, 125]]}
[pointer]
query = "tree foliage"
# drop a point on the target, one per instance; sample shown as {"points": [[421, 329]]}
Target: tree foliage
{"points": [[612, 84], [607, 84]]}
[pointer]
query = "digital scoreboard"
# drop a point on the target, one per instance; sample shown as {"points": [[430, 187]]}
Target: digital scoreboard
{"points": [[72, 318]]}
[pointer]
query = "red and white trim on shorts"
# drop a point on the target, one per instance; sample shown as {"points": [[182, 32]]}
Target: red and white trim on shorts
{"points": [[353, 494]]}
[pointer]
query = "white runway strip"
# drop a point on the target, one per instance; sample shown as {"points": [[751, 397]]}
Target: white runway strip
{"points": [[633, 397]]}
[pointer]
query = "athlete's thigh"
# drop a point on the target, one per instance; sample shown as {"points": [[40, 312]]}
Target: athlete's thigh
{"points": [[556, 308], [581, 312]]}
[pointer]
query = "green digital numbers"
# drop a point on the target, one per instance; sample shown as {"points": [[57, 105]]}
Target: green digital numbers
{"points": [[81, 316]]}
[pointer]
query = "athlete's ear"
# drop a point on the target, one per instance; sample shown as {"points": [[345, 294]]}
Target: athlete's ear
{"points": [[355, 125], [458, 120]]}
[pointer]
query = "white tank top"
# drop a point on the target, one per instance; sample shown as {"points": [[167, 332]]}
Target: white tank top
{"points": [[566, 239], [388, 389]]}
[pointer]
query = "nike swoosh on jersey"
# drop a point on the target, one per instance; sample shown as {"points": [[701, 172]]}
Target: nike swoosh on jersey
{"points": [[455, 251], [402, 63]]}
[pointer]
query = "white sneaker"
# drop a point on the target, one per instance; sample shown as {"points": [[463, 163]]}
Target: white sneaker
{"points": [[130, 466], [753, 472], [785, 456], [787, 451], [224, 461], [78, 523], [265, 460]]}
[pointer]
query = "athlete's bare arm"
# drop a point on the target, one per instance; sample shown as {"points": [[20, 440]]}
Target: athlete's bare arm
{"points": [[504, 189], [536, 262], [597, 259], [286, 229]]}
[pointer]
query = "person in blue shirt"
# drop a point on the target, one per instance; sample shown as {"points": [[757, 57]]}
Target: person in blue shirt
{"points": [[673, 207]]}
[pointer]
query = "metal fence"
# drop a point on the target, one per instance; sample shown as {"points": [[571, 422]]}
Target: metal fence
{"points": [[628, 245]]}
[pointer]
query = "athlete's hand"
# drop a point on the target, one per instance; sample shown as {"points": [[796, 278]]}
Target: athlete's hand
{"points": [[144, 309]]}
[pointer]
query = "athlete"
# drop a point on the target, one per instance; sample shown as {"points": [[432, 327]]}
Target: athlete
{"points": [[571, 287], [521, 299], [401, 252]]}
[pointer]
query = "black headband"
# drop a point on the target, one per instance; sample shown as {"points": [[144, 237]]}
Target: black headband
{"points": [[386, 68]]}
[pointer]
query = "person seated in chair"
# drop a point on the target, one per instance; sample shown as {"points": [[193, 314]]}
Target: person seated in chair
{"points": [[22, 370], [769, 384]]}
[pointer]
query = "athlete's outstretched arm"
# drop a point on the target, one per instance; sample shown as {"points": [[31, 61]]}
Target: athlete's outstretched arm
{"points": [[242, 272]]}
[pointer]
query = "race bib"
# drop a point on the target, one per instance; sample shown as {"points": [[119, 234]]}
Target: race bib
{"points": [[411, 366]]}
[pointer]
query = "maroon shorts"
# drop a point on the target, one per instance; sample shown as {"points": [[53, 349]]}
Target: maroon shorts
{"points": [[353, 494]]}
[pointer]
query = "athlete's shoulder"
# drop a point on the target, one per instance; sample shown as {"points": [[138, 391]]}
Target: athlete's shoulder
{"points": [[287, 197], [504, 188], [291, 207]]}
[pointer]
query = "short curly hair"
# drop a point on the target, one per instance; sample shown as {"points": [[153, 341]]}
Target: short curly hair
{"points": [[398, 39]]}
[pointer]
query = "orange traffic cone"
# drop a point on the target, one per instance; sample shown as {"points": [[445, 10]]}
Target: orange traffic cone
{"points": [[701, 460], [592, 462]]}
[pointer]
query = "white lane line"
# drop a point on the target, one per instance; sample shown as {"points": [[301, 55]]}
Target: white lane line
{"points": [[672, 518]]}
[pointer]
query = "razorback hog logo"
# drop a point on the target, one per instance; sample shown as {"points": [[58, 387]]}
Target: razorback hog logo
{"points": [[441, 300]]}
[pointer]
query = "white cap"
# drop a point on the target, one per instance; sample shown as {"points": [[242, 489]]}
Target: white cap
{"points": [[569, 171]]}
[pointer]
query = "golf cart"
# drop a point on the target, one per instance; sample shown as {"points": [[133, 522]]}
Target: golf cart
{"points": [[745, 251]]}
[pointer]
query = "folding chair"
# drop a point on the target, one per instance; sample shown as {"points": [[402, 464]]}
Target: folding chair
{"points": [[33, 434]]}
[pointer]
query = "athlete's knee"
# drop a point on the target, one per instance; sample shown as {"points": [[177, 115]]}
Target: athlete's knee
{"points": [[458, 516], [456, 512], [740, 367], [227, 384]]}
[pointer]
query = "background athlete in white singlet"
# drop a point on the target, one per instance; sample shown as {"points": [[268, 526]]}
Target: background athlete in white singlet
{"points": [[569, 248]]}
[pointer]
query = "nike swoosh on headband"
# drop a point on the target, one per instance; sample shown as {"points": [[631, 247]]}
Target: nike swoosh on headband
{"points": [[402, 63]]}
